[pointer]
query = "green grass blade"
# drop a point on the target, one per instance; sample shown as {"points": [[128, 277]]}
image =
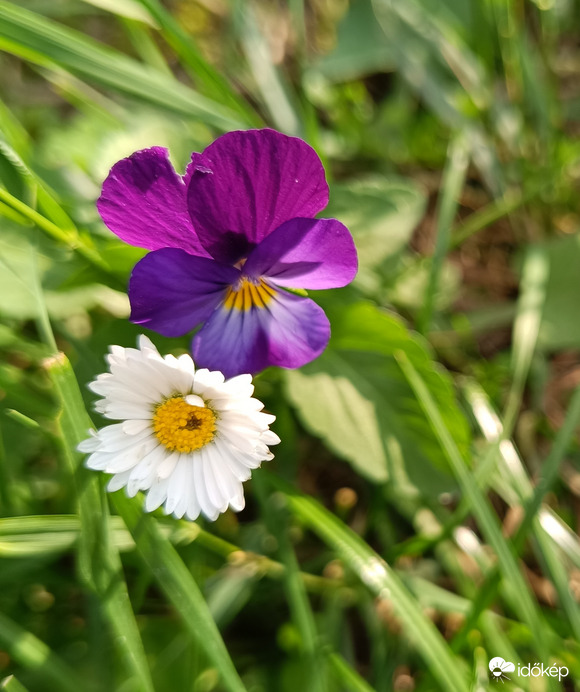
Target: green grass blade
{"points": [[99, 561], [453, 181], [179, 586], [300, 608], [526, 329], [383, 582], [47, 43], [11, 684], [210, 81], [273, 90], [30, 652], [347, 675], [515, 583]]}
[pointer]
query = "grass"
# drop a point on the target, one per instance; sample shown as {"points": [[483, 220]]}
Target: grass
{"points": [[406, 532]]}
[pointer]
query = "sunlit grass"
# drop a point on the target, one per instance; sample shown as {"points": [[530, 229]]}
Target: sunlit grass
{"points": [[419, 518]]}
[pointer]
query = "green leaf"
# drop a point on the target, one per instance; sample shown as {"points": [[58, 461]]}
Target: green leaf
{"points": [[31, 652], [46, 534], [11, 684], [514, 581], [99, 562], [179, 586], [361, 47], [23, 253], [355, 397], [124, 8], [381, 581], [382, 214], [47, 43], [560, 326]]}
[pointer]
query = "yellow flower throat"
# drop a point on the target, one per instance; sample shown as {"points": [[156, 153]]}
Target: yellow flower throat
{"points": [[181, 427], [247, 295]]}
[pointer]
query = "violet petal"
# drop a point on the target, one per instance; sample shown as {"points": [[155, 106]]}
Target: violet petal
{"points": [[171, 291], [143, 202], [289, 332], [246, 184], [306, 253]]}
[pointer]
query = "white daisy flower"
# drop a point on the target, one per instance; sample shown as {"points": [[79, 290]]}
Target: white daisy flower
{"points": [[188, 438]]}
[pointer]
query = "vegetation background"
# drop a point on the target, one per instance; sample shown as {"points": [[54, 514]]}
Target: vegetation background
{"points": [[421, 514]]}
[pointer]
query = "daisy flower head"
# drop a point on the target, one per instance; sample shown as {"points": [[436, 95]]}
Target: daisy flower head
{"points": [[229, 241], [186, 437]]}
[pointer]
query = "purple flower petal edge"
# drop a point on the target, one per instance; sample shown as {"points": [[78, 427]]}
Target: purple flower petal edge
{"points": [[246, 184], [173, 292], [143, 202], [306, 253], [289, 333]]}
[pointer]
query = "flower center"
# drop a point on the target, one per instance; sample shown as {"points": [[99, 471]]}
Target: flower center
{"points": [[181, 427], [248, 294]]}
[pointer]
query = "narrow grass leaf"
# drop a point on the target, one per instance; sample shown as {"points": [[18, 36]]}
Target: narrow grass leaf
{"points": [[48, 43], [131, 9], [515, 583], [453, 181], [526, 329], [30, 652], [208, 80], [179, 586], [11, 684], [383, 582], [273, 90], [277, 522], [347, 675]]}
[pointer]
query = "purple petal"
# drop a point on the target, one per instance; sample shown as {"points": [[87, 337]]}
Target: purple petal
{"points": [[171, 292], [306, 253], [143, 202], [289, 332], [246, 184]]}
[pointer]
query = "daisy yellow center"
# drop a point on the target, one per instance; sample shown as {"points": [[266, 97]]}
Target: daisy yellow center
{"points": [[181, 427], [248, 294]]}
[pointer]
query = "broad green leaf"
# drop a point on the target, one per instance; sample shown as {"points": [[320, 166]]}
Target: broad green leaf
{"points": [[382, 214], [356, 398], [361, 47], [22, 254], [560, 326]]}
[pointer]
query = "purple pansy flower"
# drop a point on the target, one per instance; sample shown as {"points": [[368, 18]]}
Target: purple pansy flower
{"points": [[227, 239]]}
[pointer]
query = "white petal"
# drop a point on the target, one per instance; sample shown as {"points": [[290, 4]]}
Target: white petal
{"points": [[205, 481], [134, 427], [217, 498], [166, 467], [176, 486], [194, 400], [156, 495], [199, 484], [118, 481], [270, 438], [146, 343]]}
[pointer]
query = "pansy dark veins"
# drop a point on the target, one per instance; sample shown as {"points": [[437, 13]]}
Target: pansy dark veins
{"points": [[227, 240]]}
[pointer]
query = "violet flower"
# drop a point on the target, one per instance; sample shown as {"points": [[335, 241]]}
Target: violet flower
{"points": [[227, 240]]}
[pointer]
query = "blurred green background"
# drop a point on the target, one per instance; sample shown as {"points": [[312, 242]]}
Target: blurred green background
{"points": [[421, 514]]}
